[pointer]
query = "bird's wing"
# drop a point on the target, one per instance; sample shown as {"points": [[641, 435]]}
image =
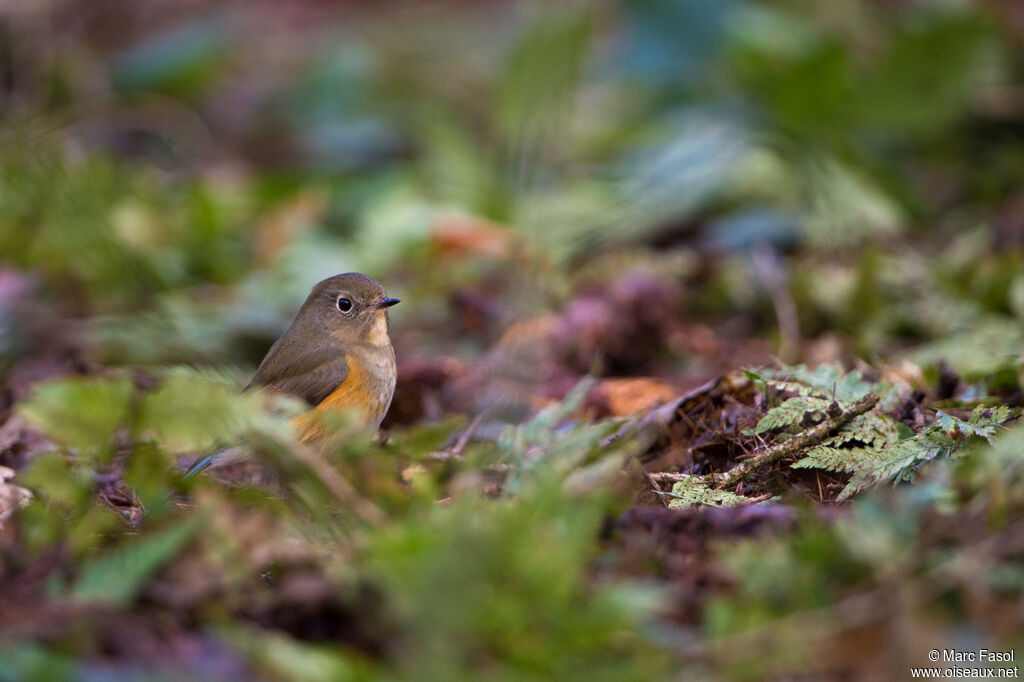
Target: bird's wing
{"points": [[311, 376]]}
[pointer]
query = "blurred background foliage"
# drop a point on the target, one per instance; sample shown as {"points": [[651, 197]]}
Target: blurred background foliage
{"points": [[201, 167], [815, 180]]}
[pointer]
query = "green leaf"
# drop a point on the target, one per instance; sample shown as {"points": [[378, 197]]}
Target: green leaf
{"points": [[192, 410], [873, 447], [51, 475], [873, 428], [978, 351], [542, 71], [897, 462], [689, 493], [824, 381], [927, 76], [845, 207], [845, 460], [286, 658], [789, 413], [507, 577], [30, 661], [116, 576], [759, 382], [544, 422], [81, 413], [983, 422]]}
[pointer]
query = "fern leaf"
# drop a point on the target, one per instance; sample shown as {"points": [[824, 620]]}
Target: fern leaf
{"points": [[872, 429], [983, 422], [692, 493], [898, 462], [842, 460], [789, 413], [828, 381]]}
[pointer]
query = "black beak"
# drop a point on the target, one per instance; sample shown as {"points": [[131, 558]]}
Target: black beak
{"points": [[388, 302]]}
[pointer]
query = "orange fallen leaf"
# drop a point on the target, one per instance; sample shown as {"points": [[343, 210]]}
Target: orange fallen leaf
{"points": [[460, 235], [619, 397]]}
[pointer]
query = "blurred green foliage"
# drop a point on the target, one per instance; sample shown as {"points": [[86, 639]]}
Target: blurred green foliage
{"points": [[506, 579], [508, 582], [581, 128]]}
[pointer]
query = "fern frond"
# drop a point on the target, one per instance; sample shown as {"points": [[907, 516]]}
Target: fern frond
{"points": [[873, 447], [898, 462], [945, 438], [842, 460], [827, 381], [873, 429], [692, 493], [983, 422], [789, 413]]}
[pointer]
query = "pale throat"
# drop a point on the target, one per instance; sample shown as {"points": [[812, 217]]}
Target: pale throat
{"points": [[378, 334]]}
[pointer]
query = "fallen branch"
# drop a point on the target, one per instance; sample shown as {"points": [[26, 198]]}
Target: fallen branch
{"points": [[671, 476], [816, 435]]}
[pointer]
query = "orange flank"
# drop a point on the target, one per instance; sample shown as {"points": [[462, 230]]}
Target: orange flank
{"points": [[355, 392]]}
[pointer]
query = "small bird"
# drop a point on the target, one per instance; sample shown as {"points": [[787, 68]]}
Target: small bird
{"points": [[336, 355]]}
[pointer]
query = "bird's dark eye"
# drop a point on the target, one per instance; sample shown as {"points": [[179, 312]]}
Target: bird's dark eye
{"points": [[344, 305]]}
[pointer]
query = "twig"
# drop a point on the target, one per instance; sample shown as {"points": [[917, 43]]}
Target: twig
{"points": [[670, 476], [814, 436], [464, 437]]}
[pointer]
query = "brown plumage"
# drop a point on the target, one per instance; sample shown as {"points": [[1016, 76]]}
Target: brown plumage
{"points": [[336, 354]]}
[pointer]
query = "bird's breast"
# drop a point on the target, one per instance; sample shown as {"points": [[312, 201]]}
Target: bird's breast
{"points": [[368, 389]]}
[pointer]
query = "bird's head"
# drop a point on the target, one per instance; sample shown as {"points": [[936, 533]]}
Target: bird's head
{"points": [[350, 308]]}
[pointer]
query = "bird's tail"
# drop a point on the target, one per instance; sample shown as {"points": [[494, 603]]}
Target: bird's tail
{"points": [[219, 456], [200, 465]]}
